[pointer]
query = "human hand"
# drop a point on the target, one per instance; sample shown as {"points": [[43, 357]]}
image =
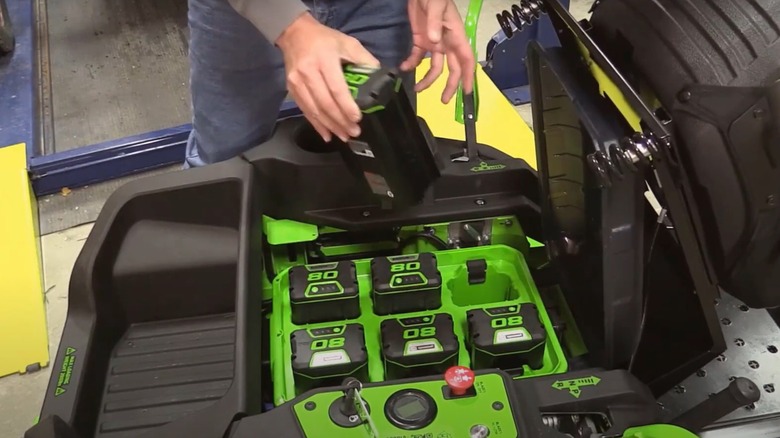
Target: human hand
{"points": [[438, 28], [313, 58]]}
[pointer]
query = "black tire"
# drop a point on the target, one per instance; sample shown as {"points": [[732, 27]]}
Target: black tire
{"points": [[669, 45], [6, 34]]}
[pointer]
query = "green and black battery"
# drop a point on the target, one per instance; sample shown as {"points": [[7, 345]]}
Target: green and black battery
{"points": [[324, 292], [394, 155], [325, 356], [404, 284], [419, 346], [506, 337]]}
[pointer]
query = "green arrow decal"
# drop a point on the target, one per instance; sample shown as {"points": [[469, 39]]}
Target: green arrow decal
{"points": [[574, 385]]}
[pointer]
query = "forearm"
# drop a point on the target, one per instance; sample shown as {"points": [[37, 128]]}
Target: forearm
{"points": [[270, 17]]}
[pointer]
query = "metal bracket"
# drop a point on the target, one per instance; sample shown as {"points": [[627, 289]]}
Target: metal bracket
{"points": [[468, 234]]}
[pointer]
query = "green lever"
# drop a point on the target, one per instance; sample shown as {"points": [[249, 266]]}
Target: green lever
{"points": [[472, 19]]}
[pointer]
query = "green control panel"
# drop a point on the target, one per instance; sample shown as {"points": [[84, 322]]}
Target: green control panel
{"points": [[422, 408]]}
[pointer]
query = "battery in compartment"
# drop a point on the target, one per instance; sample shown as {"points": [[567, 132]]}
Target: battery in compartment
{"points": [[325, 356], [506, 337], [405, 284], [419, 346], [324, 293]]}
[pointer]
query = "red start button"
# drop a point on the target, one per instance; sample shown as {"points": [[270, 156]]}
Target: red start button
{"points": [[459, 379]]}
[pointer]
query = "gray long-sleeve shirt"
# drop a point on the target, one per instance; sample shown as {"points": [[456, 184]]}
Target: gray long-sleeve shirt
{"points": [[270, 17]]}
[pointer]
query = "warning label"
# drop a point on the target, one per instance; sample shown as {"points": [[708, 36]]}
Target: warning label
{"points": [[63, 380]]}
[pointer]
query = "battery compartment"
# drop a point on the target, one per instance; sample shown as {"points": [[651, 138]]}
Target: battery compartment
{"points": [[506, 282], [495, 284]]}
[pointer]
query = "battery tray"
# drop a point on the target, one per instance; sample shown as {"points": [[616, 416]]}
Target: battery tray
{"points": [[418, 315]]}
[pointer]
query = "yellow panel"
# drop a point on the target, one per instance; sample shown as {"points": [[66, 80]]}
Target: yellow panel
{"points": [[23, 332], [498, 123], [609, 89]]}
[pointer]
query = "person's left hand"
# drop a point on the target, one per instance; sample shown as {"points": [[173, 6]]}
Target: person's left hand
{"points": [[438, 28]]}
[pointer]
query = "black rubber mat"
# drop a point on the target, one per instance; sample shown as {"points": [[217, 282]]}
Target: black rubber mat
{"points": [[161, 371]]}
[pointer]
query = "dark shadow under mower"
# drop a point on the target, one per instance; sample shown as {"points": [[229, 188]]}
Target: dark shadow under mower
{"points": [[387, 287]]}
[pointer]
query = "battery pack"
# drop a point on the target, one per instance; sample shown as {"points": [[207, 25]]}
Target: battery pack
{"points": [[404, 284], [419, 346], [324, 292], [506, 337], [395, 153], [325, 356]]}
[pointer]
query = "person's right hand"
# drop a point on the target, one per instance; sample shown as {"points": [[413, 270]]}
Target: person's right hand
{"points": [[313, 58]]}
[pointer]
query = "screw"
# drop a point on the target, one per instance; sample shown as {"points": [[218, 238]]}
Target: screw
{"points": [[366, 213], [751, 407], [744, 308], [479, 431], [725, 321], [685, 96], [769, 387], [310, 406], [753, 364], [679, 389], [498, 405], [721, 358], [772, 349], [480, 201], [701, 373], [758, 113], [739, 342]]}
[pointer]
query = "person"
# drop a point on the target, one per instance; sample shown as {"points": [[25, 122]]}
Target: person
{"points": [[247, 55]]}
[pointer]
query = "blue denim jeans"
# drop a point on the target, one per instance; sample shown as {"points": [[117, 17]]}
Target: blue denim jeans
{"points": [[237, 77]]}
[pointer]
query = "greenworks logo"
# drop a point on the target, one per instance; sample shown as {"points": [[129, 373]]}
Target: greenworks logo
{"points": [[575, 385], [484, 167]]}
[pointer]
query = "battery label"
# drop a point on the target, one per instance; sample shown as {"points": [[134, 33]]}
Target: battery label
{"points": [[511, 335], [423, 346], [408, 279], [321, 289], [329, 358]]}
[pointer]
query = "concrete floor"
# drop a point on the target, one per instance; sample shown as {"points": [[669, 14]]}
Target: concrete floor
{"points": [[21, 396]]}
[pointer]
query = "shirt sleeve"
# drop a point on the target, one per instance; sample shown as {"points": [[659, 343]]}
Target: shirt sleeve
{"points": [[270, 17]]}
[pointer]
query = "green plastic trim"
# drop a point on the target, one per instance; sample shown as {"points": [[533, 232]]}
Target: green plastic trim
{"points": [[284, 231], [471, 22], [658, 431]]}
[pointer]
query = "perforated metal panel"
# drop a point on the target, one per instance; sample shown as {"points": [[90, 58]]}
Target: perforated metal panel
{"points": [[754, 352]]}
